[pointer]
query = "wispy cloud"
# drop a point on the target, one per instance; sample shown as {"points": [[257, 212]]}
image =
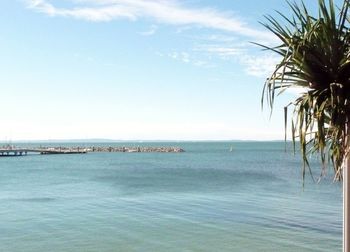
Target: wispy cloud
{"points": [[187, 58], [220, 50], [94, 13], [152, 30], [254, 64], [228, 41], [183, 56], [259, 66], [168, 12]]}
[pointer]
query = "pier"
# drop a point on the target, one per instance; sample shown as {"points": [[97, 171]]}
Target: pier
{"points": [[16, 152], [13, 151]]}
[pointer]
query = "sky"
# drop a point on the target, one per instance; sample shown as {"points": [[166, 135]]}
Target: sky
{"points": [[137, 70]]}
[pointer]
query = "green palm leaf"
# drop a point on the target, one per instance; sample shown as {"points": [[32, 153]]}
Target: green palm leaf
{"points": [[315, 55]]}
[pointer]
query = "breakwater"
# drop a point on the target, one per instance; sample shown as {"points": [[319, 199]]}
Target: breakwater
{"points": [[117, 149], [135, 149], [10, 150]]}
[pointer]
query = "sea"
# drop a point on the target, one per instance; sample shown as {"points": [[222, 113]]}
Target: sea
{"points": [[215, 196]]}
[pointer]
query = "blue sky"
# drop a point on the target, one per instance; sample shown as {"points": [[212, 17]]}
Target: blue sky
{"points": [[136, 69]]}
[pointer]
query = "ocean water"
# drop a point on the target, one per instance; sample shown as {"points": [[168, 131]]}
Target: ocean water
{"points": [[205, 199]]}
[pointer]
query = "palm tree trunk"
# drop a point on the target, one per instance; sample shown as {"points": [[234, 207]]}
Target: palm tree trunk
{"points": [[346, 206], [346, 197]]}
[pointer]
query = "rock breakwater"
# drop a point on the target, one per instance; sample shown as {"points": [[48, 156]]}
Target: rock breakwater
{"points": [[114, 149], [135, 149]]}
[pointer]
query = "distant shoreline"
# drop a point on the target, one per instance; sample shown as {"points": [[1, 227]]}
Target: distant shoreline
{"points": [[130, 141]]}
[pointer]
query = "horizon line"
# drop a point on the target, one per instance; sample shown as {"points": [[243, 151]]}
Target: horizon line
{"points": [[140, 140]]}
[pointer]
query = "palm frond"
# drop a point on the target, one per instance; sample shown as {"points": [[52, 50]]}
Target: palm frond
{"points": [[315, 54]]}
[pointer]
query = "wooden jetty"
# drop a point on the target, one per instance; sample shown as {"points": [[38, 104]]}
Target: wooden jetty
{"points": [[13, 151]]}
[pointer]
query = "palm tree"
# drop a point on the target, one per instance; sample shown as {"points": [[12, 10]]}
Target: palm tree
{"points": [[315, 56]]}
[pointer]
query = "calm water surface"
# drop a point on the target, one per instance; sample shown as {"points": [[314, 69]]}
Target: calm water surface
{"points": [[206, 199]]}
